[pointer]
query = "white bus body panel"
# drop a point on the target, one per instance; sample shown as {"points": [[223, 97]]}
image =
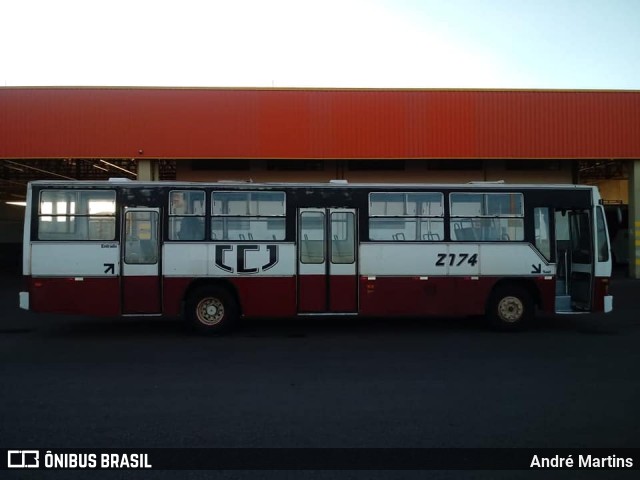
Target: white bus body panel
{"points": [[442, 259], [199, 260], [77, 259]]}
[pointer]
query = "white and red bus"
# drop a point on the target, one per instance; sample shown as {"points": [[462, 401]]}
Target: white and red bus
{"points": [[215, 251]]}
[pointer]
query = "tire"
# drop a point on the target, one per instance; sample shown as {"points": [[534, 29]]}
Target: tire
{"points": [[211, 310], [510, 308]]}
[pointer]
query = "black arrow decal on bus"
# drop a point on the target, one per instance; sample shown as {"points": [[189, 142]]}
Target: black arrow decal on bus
{"points": [[110, 267], [273, 257], [536, 268], [220, 249]]}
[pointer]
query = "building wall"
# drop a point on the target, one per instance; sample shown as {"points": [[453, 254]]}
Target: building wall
{"points": [[11, 223], [613, 190], [11, 227], [414, 171], [187, 123]]}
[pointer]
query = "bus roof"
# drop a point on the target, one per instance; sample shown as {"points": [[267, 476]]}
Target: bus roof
{"points": [[332, 184]]}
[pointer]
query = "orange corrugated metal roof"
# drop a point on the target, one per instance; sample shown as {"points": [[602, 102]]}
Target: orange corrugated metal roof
{"points": [[317, 123]]}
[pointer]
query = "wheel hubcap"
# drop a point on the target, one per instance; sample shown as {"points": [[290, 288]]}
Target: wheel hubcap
{"points": [[210, 311], [510, 309]]}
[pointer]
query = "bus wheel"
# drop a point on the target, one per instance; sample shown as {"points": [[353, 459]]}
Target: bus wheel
{"points": [[211, 309], [510, 308]]}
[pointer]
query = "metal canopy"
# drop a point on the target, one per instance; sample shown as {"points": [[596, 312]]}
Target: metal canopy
{"points": [[15, 174]]}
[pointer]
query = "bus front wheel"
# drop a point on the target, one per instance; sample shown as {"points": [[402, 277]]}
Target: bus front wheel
{"points": [[211, 309], [510, 308]]}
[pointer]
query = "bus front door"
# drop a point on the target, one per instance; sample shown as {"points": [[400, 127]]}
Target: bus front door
{"points": [[575, 261], [582, 261], [141, 294], [327, 260]]}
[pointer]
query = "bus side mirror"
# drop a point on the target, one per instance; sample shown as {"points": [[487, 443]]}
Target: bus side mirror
{"points": [[619, 215]]}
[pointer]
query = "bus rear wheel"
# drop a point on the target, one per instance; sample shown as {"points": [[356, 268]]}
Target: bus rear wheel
{"points": [[211, 309], [510, 308]]}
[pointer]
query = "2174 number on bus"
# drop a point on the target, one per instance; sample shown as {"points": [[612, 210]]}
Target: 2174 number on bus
{"points": [[456, 259]]}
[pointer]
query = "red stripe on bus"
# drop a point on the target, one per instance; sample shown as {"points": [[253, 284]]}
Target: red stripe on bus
{"points": [[279, 296], [343, 293], [99, 296], [266, 296], [441, 296], [140, 295], [313, 293], [406, 296], [600, 290], [258, 296]]}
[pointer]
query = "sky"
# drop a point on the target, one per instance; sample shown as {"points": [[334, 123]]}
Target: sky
{"points": [[562, 44]]}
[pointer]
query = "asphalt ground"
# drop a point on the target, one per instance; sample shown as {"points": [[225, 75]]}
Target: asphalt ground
{"points": [[568, 382]]}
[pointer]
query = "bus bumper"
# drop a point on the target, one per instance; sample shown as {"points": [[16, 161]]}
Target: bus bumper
{"points": [[24, 300], [608, 303]]}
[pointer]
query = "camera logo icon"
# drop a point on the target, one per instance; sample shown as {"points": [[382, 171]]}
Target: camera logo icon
{"points": [[23, 459]]}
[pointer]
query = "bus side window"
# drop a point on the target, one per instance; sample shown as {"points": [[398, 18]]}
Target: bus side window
{"points": [[464, 233], [489, 231], [191, 228], [542, 231], [432, 237], [312, 231], [186, 215]]}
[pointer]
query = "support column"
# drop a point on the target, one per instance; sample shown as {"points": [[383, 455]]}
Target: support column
{"points": [[148, 170], [634, 218]]}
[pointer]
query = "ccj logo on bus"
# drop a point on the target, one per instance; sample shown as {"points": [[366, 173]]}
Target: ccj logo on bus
{"points": [[51, 460]]}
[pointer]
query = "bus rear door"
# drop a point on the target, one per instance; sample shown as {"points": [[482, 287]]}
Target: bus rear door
{"points": [[327, 260]]}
